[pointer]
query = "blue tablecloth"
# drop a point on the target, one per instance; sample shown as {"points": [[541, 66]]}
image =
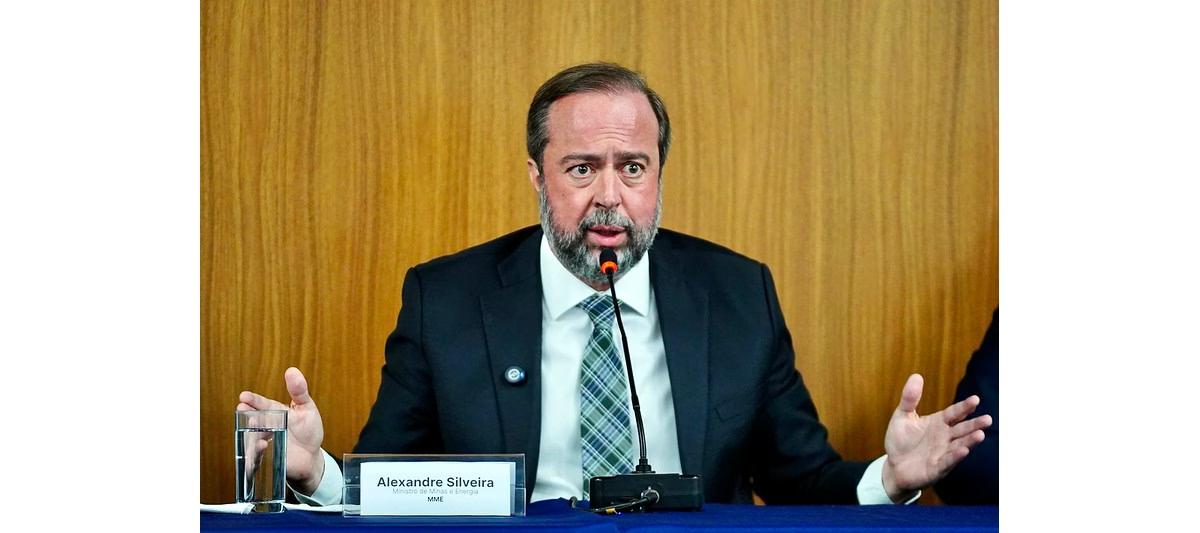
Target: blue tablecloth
{"points": [[557, 515]]}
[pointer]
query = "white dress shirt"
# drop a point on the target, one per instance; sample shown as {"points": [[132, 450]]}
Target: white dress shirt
{"points": [[565, 333], [566, 330]]}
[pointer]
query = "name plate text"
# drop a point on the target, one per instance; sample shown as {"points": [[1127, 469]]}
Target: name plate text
{"points": [[437, 488]]}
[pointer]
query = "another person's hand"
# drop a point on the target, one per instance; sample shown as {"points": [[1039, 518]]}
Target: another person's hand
{"points": [[923, 449], [305, 464]]}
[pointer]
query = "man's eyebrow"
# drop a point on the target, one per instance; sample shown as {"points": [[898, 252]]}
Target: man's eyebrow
{"points": [[630, 156], [590, 158], [595, 158]]}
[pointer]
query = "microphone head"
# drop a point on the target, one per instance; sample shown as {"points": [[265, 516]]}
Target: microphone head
{"points": [[608, 261]]}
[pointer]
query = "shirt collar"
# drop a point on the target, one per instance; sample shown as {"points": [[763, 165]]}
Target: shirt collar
{"points": [[561, 290]]}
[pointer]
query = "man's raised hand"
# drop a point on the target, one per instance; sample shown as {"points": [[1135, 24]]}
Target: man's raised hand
{"points": [[923, 449], [305, 463]]}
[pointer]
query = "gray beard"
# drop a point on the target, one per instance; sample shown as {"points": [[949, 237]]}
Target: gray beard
{"points": [[571, 249]]}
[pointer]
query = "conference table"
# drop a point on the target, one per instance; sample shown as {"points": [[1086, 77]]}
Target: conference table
{"points": [[557, 515]]}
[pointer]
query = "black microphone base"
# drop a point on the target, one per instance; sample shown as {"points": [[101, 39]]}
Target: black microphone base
{"points": [[676, 492]]}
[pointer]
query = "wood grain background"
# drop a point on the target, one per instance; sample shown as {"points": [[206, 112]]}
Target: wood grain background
{"points": [[852, 146]]}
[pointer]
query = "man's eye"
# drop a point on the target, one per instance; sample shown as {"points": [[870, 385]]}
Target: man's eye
{"points": [[633, 169], [579, 171]]}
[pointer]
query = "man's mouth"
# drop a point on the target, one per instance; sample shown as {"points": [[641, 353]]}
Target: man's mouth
{"points": [[607, 236], [607, 231]]}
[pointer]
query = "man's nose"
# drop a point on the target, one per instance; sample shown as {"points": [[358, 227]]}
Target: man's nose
{"points": [[608, 189]]}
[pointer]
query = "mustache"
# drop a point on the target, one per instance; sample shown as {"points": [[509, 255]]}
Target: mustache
{"points": [[605, 217]]}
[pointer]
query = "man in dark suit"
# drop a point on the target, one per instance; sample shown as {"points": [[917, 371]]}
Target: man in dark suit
{"points": [[508, 347]]}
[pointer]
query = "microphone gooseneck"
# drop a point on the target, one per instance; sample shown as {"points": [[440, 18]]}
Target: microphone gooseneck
{"points": [[608, 265], [642, 489]]}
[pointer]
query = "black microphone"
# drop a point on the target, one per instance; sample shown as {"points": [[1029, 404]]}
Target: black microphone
{"points": [[641, 490], [608, 265]]}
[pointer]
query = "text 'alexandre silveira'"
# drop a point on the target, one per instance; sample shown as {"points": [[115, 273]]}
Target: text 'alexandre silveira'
{"points": [[449, 482]]}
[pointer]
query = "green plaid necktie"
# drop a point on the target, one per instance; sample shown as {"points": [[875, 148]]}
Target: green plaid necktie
{"points": [[604, 430]]}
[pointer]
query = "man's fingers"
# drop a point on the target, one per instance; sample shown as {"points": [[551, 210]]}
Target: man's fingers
{"points": [[258, 402], [953, 457], [297, 386], [958, 412], [968, 426], [967, 441], [911, 395]]}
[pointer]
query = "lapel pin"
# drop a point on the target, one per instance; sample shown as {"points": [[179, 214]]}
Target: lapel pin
{"points": [[514, 375]]}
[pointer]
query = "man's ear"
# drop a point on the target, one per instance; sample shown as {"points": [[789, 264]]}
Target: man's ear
{"points": [[535, 175]]}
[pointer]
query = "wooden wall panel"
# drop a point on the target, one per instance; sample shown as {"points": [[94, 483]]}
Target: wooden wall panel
{"points": [[852, 146]]}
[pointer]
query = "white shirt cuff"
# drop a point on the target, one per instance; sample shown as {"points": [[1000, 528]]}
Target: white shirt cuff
{"points": [[329, 490], [870, 487]]}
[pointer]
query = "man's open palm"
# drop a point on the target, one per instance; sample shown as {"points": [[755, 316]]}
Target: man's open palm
{"points": [[923, 449]]}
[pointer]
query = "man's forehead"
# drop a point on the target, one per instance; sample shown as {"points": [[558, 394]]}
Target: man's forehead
{"points": [[592, 112], [597, 106]]}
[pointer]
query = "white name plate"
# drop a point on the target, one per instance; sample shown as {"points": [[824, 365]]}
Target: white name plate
{"points": [[436, 488]]}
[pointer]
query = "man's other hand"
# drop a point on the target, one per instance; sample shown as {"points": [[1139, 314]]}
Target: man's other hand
{"points": [[923, 449], [305, 464]]}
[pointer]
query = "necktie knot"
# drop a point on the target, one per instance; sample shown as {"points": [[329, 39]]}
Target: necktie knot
{"points": [[599, 308]]}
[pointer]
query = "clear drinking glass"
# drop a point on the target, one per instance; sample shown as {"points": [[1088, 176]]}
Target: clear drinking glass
{"points": [[260, 447]]}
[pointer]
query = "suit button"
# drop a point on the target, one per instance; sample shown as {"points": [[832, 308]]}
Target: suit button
{"points": [[514, 375]]}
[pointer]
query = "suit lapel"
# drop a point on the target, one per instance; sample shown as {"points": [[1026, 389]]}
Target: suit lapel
{"points": [[512, 320], [683, 315]]}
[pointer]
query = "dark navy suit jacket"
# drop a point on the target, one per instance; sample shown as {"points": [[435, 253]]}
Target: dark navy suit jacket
{"points": [[744, 419]]}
